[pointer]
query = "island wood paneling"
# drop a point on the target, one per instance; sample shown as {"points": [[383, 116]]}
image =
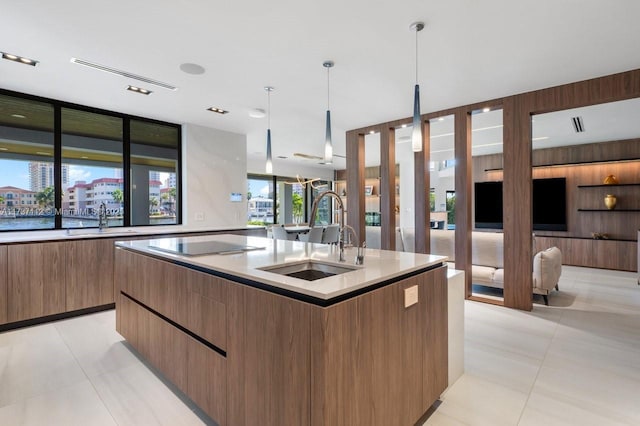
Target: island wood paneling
{"points": [[276, 359], [3, 285], [433, 291], [36, 280], [207, 380], [195, 300], [372, 361], [236, 377], [89, 273]]}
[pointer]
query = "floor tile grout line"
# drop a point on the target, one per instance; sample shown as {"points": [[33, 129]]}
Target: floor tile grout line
{"points": [[93, 386], [544, 358]]}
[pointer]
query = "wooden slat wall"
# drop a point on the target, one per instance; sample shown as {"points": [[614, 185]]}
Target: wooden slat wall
{"points": [[387, 188], [517, 169], [355, 182]]}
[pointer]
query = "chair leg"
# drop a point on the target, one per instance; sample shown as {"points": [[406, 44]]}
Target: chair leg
{"points": [[557, 288], [546, 299]]}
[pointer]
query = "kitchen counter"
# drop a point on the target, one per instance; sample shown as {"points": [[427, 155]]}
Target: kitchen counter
{"points": [[249, 346], [379, 266], [115, 232]]}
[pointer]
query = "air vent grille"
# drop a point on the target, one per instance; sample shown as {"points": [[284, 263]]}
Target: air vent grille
{"points": [[578, 124], [123, 73]]}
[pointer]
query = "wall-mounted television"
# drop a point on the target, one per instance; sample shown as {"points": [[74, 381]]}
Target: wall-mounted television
{"points": [[549, 204]]}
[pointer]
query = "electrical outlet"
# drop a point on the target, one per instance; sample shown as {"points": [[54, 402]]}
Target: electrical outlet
{"points": [[410, 296], [199, 216]]}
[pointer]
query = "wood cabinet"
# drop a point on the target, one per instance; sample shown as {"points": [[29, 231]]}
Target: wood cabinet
{"points": [[278, 360], [36, 280], [3, 284], [89, 273]]}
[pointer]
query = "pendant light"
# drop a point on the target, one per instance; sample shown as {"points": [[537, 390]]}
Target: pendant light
{"points": [[328, 144], [416, 135], [269, 166]]}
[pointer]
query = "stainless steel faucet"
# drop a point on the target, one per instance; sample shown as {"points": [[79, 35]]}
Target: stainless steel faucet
{"points": [[342, 226], [103, 221]]}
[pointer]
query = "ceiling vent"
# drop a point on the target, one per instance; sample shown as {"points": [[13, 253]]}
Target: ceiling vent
{"points": [[578, 124], [123, 73]]}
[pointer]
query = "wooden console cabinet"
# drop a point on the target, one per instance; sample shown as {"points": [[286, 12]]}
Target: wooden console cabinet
{"points": [[248, 356]]}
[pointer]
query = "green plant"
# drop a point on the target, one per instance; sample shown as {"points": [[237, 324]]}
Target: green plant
{"points": [[45, 198], [451, 209]]}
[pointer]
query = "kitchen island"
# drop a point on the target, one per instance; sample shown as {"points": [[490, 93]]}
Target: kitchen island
{"points": [[251, 342]]}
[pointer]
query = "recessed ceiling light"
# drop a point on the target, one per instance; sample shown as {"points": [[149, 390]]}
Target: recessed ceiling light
{"points": [[257, 113], [218, 110], [441, 119], [541, 138], [43, 153], [18, 116], [371, 132], [282, 157], [19, 59], [84, 157], [139, 90], [193, 69], [487, 109], [404, 126], [2, 148]]}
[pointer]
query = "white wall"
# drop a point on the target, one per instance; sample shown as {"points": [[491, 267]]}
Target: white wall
{"points": [[290, 169], [214, 164]]}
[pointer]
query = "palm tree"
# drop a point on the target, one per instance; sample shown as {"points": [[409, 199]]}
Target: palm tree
{"points": [[117, 196], [45, 198], [153, 202]]}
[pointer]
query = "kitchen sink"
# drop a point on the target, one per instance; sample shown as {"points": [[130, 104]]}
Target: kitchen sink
{"points": [[309, 270]]}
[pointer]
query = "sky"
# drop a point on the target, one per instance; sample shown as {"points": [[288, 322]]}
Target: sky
{"points": [[16, 173]]}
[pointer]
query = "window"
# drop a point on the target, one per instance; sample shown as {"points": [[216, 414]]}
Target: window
{"points": [[290, 197], [155, 154], [261, 206], [27, 175], [323, 214], [129, 165], [91, 161]]}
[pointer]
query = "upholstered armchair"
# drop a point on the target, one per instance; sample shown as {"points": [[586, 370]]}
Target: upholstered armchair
{"points": [[547, 267]]}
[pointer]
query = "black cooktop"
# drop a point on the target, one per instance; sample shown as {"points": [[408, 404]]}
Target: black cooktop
{"points": [[198, 248]]}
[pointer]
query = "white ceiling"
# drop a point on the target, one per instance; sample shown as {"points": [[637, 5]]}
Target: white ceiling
{"points": [[469, 51]]}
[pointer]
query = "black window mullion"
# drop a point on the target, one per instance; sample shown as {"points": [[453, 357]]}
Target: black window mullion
{"points": [[126, 169], [57, 166]]}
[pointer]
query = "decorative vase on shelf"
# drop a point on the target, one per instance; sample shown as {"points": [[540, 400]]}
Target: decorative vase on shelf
{"points": [[610, 201], [611, 180]]}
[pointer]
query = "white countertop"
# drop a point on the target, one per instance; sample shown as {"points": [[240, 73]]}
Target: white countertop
{"points": [[379, 265], [115, 232]]}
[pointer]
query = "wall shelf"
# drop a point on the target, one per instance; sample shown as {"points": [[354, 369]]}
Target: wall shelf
{"points": [[606, 210], [604, 184]]}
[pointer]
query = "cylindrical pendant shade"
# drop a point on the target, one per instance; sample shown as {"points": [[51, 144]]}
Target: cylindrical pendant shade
{"points": [[328, 144], [269, 167], [416, 135]]}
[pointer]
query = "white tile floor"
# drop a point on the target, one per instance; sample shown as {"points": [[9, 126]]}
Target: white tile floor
{"points": [[576, 362]]}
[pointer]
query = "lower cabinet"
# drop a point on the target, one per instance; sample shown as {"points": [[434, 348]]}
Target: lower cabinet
{"points": [[3, 284], [36, 280], [89, 273], [194, 368]]}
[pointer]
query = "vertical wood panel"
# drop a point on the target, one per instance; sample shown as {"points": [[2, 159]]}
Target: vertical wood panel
{"points": [[207, 380], [3, 285], [517, 205], [36, 278], [422, 189], [236, 356], [277, 359], [462, 141], [436, 344], [355, 182], [89, 273], [388, 188]]}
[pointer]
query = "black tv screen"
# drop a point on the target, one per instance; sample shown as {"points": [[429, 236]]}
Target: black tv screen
{"points": [[549, 204]]}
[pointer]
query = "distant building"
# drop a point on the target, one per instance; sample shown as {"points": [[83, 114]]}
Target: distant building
{"points": [[85, 198], [41, 175], [17, 198], [260, 208]]}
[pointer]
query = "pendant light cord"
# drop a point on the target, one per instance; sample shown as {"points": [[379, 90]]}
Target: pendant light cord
{"points": [[417, 55], [328, 91], [269, 109]]}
